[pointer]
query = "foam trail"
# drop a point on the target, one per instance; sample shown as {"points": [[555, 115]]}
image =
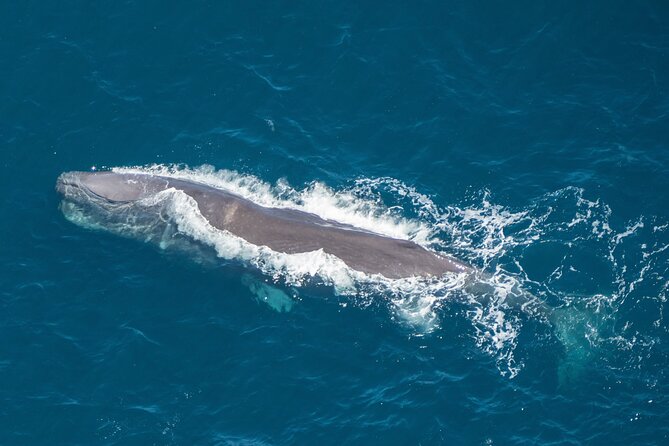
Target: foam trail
{"points": [[418, 301]]}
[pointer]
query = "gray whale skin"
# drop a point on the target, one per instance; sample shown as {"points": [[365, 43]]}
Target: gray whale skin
{"points": [[282, 230]]}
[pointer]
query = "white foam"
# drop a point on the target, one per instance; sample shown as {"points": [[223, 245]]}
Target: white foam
{"points": [[481, 232], [478, 231]]}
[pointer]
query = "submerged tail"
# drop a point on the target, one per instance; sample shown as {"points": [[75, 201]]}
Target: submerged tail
{"points": [[580, 330], [578, 327]]}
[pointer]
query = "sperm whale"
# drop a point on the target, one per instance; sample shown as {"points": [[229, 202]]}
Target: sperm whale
{"points": [[282, 230]]}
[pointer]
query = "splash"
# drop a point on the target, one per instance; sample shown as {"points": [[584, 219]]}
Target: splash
{"points": [[499, 240]]}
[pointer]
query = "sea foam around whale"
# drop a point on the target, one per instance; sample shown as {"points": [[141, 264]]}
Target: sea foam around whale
{"points": [[491, 237]]}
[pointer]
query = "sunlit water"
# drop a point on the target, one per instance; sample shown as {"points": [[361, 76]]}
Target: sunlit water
{"points": [[529, 142]]}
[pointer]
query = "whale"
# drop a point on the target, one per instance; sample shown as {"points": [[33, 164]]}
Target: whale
{"points": [[105, 195], [129, 204]]}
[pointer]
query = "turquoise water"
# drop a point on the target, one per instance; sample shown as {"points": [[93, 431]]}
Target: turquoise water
{"points": [[527, 139]]}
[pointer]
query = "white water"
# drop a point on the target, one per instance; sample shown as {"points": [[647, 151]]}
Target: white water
{"points": [[487, 235]]}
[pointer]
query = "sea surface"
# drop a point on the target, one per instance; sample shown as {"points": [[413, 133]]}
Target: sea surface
{"points": [[529, 139]]}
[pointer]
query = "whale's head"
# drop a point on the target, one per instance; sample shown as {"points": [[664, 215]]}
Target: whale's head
{"points": [[110, 200], [108, 187]]}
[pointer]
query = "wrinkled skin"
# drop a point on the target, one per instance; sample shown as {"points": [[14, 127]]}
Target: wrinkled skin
{"points": [[282, 230]]}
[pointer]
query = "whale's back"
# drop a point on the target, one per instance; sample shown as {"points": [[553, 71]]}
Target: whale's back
{"points": [[292, 231]]}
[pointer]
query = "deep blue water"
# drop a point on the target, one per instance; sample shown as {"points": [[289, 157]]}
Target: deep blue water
{"points": [[531, 138]]}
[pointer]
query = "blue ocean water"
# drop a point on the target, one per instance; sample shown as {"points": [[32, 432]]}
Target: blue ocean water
{"points": [[529, 139]]}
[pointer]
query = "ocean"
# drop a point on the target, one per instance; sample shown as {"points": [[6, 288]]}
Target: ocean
{"points": [[528, 139]]}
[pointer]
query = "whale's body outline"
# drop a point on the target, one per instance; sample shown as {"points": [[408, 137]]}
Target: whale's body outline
{"points": [[283, 230], [293, 231]]}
